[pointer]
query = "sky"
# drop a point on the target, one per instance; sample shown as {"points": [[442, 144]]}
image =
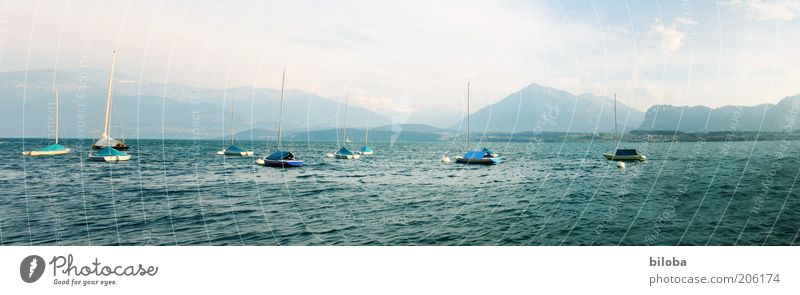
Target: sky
{"points": [[402, 57]]}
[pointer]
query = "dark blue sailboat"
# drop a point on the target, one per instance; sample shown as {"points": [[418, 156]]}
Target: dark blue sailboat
{"points": [[622, 154], [279, 158], [625, 155]]}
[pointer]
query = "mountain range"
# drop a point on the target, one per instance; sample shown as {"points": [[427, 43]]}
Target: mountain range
{"points": [[153, 110], [764, 117], [545, 109]]}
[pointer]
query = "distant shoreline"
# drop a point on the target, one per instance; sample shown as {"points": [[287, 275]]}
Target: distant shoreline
{"points": [[633, 136], [647, 136]]}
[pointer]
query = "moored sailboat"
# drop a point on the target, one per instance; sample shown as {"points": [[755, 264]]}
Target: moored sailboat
{"points": [[625, 155], [366, 150], [109, 154], [233, 149], [279, 158], [622, 154], [109, 149], [483, 156], [344, 152], [478, 157], [55, 148], [105, 139]]}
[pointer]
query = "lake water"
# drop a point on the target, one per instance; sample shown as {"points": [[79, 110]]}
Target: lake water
{"points": [[180, 193]]}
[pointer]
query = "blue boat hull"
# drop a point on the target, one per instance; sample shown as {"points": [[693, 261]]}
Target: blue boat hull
{"points": [[283, 163]]}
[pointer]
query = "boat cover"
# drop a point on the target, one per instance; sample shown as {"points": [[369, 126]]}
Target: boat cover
{"points": [[487, 150], [107, 152], [626, 152], [105, 141], [345, 151], [234, 149], [476, 155], [52, 148], [366, 149], [280, 155]]}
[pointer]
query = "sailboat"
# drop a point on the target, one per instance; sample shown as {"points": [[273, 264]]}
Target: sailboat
{"points": [[366, 150], [481, 157], [344, 152], [105, 139], [280, 158], [110, 150], [53, 149], [233, 149], [622, 154]]}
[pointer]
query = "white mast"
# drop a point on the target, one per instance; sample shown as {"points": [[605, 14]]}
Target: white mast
{"points": [[366, 131], [467, 116], [346, 100], [233, 121], [56, 115], [615, 114], [106, 130], [280, 113]]}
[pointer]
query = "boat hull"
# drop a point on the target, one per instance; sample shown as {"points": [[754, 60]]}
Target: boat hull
{"points": [[366, 153], [110, 158], [46, 153], [280, 163], [614, 157], [123, 147], [347, 157], [483, 161], [240, 154]]}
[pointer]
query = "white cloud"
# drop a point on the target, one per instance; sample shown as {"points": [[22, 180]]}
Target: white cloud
{"points": [[384, 105], [784, 10], [669, 37], [684, 21]]}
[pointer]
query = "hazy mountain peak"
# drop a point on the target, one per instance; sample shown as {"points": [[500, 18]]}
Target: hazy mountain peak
{"points": [[542, 108]]}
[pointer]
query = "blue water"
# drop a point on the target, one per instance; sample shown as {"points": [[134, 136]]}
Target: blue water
{"points": [[180, 193]]}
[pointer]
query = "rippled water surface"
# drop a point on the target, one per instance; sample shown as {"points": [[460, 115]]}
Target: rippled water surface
{"points": [[180, 193]]}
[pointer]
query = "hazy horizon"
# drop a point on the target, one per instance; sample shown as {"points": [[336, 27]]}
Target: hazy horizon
{"points": [[118, 75]]}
